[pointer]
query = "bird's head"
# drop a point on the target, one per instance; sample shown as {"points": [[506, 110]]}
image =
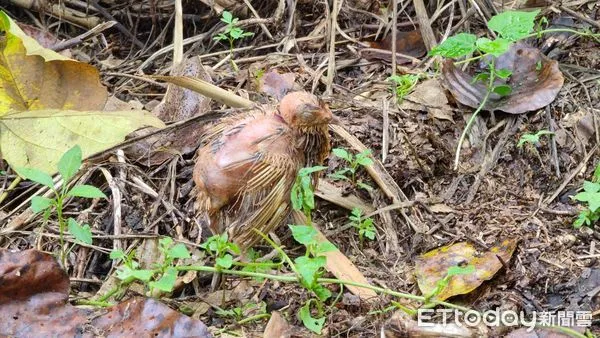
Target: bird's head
{"points": [[302, 110]]}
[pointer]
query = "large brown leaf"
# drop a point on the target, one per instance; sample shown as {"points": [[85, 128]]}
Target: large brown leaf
{"points": [[532, 87]]}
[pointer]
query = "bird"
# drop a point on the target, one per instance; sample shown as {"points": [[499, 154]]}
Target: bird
{"points": [[246, 169]]}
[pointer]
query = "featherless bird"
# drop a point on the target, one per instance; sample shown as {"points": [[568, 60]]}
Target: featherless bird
{"points": [[247, 168]]}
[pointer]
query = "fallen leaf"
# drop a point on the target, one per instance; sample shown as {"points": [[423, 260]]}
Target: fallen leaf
{"points": [[429, 96], [34, 294], [38, 138], [145, 317], [407, 43], [532, 87], [433, 266], [275, 84], [49, 103], [277, 327]]}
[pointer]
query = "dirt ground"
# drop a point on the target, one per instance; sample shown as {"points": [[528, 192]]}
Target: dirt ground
{"points": [[500, 191]]}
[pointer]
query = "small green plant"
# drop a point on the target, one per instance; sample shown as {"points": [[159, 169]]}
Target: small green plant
{"points": [[163, 275], [353, 163], [443, 283], [302, 194], [511, 27], [220, 247], [403, 84], [310, 267], [364, 226], [591, 196], [243, 314], [532, 139], [254, 265], [68, 166], [232, 33]]}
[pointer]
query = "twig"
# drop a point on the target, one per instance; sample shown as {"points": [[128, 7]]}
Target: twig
{"points": [[553, 150], [119, 26], [82, 37], [572, 175], [335, 8]]}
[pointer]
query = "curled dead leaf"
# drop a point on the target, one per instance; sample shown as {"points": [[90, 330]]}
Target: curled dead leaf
{"points": [[535, 82], [434, 265]]}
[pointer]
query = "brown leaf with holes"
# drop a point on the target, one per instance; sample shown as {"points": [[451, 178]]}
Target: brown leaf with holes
{"points": [[147, 317], [535, 82], [433, 266], [407, 43], [34, 293]]}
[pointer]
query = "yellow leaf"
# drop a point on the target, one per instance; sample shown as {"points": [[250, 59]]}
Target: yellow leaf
{"points": [[49, 103], [39, 138], [433, 266]]}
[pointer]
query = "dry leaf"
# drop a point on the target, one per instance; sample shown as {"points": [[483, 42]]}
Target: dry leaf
{"points": [[146, 317], [429, 96], [49, 103], [535, 82], [275, 84], [407, 43], [277, 327], [441, 208], [433, 266]]}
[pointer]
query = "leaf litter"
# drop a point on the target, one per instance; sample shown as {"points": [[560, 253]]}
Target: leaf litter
{"points": [[546, 271]]}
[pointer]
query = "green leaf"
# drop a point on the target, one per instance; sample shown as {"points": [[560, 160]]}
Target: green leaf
{"points": [[322, 292], [581, 220], [495, 47], [117, 254], [296, 196], [36, 175], [82, 234], [87, 191], [225, 262], [307, 171], [596, 176], [460, 270], [592, 198], [364, 161], [455, 46], [483, 77], [370, 234], [179, 251], [303, 234], [503, 73], [502, 90], [307, 192], [166, 281], [227, 17], [313, 324], [323, 247], [308, 268], [40, 203], [528, 138], [342, 153], [513, 25], [591, 186], [365, 186], [69, 163]]}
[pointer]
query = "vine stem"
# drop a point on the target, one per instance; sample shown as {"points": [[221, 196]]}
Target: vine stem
{"points": [[474, 116], [294, 279]]}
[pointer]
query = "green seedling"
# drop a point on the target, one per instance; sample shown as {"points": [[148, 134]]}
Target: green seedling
{"points": [[68, 166], [254, 265], [444, 282], [219, 247], [591, 197], [162, 276], [353, 163], [364, 226], [302, 194], [231, 34], [310, 267], [403, 84], [511, 26], [245, 313], [532, 139]]}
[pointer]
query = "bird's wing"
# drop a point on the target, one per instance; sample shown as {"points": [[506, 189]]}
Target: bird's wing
{"points": [[265, 200]]}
